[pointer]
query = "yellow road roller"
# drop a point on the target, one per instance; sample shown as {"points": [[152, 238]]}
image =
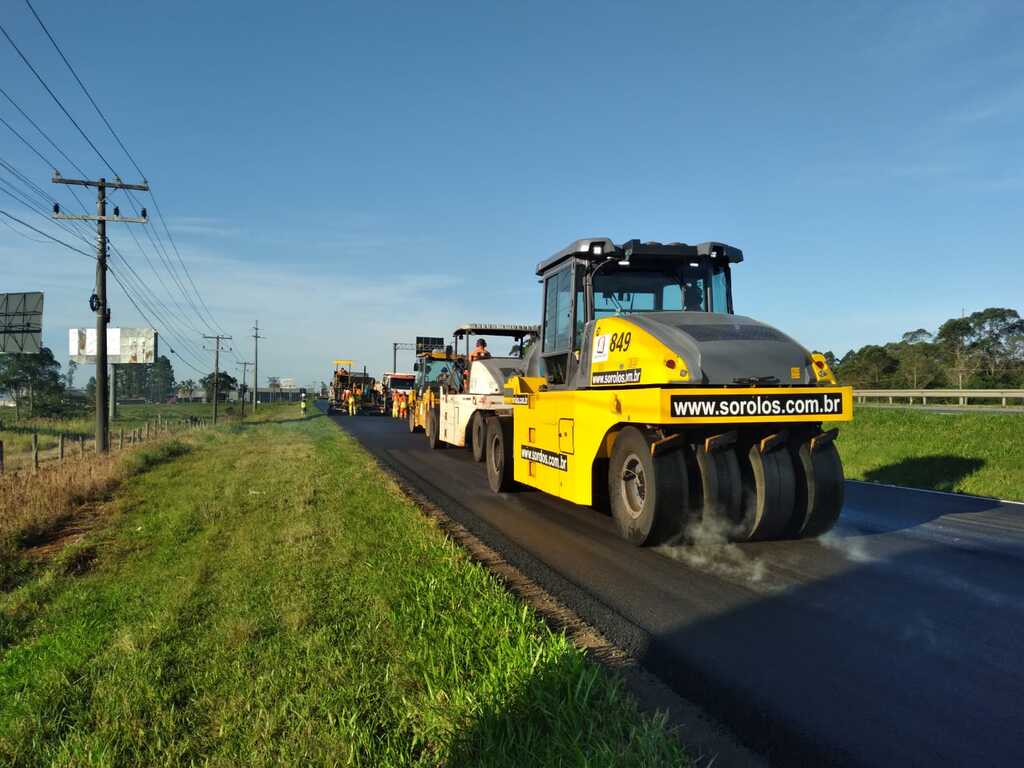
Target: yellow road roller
{"points": [[647, 396]]}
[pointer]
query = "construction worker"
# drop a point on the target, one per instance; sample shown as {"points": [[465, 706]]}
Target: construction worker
{"points": [[302, 406], [351, 403], [479, 351], [403, 406]]}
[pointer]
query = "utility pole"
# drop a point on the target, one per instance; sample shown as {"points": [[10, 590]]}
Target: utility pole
{"points": [[98, 301], [256, 365], [244, 364], [216, 369]]}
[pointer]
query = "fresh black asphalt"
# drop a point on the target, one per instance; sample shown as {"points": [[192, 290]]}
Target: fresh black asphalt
{"points": [[896, 639]]}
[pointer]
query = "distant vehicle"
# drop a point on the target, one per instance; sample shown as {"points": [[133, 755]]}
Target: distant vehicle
{"points": [[394, 382]]}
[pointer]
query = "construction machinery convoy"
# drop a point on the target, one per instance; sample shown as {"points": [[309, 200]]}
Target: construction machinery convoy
{"points": [[359, 384], [453, 405], [645, 394]]}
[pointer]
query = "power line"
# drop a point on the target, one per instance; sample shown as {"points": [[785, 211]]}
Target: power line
{"points": [[42, 133], [131, 158], [47, 235], [57, 100]]}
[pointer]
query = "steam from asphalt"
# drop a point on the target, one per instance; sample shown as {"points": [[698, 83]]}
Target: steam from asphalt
{"points": [[855, 548], [705, 546]]}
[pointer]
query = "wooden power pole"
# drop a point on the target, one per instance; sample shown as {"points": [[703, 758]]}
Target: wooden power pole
{"points": [[256, 365], [98, 301], [244, 364], [216, 369]]}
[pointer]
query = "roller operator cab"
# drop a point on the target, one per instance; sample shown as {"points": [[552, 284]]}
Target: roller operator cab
{"points": [[647, 395]]}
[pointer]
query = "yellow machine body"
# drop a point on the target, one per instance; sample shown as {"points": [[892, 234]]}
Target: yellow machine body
{"points": [[559, 433]]}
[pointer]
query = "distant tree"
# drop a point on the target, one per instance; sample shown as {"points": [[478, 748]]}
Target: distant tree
{"points": [[226, 383], [69, 377], [920, 336], [160, 379], [186, 388], [90, 391], [869, 367], [956, 340], [918, 364], [34, 382]]}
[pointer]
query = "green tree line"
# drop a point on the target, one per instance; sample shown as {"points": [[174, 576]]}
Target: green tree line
{"points": [[984, 350]]}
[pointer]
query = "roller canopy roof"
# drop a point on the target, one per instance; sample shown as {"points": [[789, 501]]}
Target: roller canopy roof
{"points": [[601, 248], [496, 329]]}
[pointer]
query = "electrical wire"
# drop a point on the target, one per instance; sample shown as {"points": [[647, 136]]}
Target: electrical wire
{"points": [[131, 158], [46, 234]]}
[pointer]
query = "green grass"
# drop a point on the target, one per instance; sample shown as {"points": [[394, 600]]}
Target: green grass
{"points": [[269, 598], [979, 453]]}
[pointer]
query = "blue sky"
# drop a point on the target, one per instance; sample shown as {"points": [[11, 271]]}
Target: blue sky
{"points": [[354, 174]]}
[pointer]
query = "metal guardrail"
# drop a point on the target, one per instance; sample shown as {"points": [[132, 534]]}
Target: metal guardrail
{"points": [[961, 396]]}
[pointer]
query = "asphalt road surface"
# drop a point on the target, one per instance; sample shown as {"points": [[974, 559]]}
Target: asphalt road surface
{"points": [[896, 639]]}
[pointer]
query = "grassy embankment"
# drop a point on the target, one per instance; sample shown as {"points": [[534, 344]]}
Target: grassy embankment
{"points": [[969, 452], [260, 594]]}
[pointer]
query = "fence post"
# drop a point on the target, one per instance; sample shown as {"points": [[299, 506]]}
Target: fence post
{"points": [[1, 457], [147, 430], [1004, 402], [120, 440], [35, 452], [60, 447], [81, 445]]}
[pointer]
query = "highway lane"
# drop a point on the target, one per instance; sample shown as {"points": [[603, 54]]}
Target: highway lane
{"points": [[895, 639]]}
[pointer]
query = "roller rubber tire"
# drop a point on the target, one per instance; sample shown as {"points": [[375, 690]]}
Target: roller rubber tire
{"points": [[819, 490], [478, 436], [434, 428], [721, 488], [769, 491], [647, 494], [500, 464], [412, 419]]}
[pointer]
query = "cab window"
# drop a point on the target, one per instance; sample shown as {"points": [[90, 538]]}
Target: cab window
{"points": [[557, 312]]}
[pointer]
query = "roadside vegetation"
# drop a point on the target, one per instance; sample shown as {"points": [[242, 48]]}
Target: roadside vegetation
{"points": [[982, 350], [261, 594], [968, 452]]}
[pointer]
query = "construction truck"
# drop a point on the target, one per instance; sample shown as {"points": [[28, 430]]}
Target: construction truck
{"points": [[438, 371], [648, 396], [396, 383], [458, 414], [362, 385], [341, 382]]}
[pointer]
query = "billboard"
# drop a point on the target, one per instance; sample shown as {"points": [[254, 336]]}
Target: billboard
{"points": [[21, 322], [428, 344], [125, 346]]}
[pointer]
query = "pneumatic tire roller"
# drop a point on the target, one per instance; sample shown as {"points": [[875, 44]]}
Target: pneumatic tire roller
{"points": [[647, 395]]}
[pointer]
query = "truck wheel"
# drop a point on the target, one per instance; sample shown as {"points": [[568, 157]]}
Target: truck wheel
{"points": [[434, 428], [500, 464], [412, 420], [721, 489], [769, 490], [478, 436], [819, 490], [648, 494]]}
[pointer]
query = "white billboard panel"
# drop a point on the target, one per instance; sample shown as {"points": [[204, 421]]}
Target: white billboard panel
{"points": [[125, 346]]}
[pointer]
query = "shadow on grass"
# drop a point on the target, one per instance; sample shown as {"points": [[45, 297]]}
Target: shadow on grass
{"points": [[936, 473], [564, 713]]}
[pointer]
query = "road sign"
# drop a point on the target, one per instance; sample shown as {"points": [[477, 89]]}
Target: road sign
{"points": [[21, 323], [428, 344], [125, 346]]}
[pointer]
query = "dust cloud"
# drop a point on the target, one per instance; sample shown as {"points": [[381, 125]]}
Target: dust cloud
{"points": [[705, 546]]}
